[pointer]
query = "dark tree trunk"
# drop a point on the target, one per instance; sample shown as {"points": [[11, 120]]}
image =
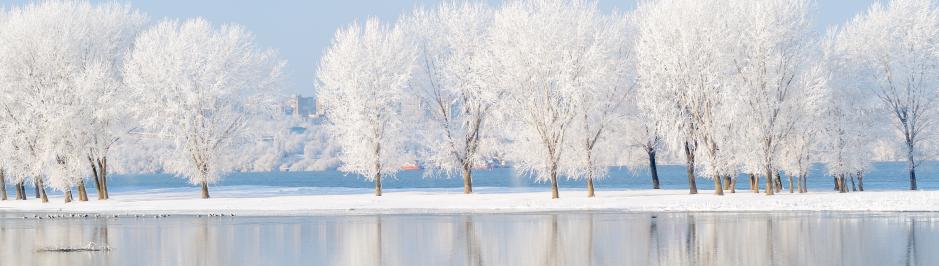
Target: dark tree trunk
{"points": [[554, 182], [94, 175], [36, 185], [205, 189], [778, 181], [82, 192], [653, 169], [467, 179], [912, 177], [689, 155], [3, 186], [837, 186]]}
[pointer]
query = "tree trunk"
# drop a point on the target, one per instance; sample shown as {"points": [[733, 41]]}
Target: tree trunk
{"points": [[837, 186], [853, 185], [68, 195], [103, 175], [689, 155], [799, 183], [653, 169], [912, 176], [727, 182], [82, 192], [754, 183], [42, 191], [20, 191], [718, 185], [778, 180], [3, 186], [94, 175], [805, 183], [554, 182], [378, 184], [733, 184], [205, 189], [791, 189], [590, 192], [769, 181], [467, 179], [36, 185], [842, 188], [860, 181]]}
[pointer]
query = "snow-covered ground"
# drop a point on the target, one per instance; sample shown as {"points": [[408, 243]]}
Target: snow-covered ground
{"points": [[245, 200]]}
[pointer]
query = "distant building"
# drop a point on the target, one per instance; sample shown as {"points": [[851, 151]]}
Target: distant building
{"points": [[301, 107]]}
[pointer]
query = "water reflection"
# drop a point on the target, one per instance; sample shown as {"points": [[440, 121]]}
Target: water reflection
{"points": [[517, 239]]}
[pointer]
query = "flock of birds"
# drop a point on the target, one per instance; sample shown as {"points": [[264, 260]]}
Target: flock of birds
{"points": [[136, 216]]}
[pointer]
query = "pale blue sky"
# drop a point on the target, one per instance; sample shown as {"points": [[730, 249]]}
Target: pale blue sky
{"points": [[301, 29]]}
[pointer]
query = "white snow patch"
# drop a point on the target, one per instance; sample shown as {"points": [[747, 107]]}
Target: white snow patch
{"points": [[315, 201]]}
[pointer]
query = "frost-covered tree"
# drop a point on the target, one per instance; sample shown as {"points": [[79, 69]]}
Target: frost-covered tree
{"points": [[455, 84], [47, 53], [682, 65], [362, 82], [891, 52], [773, 50], [800, 147], [542, 56], [641, 131], [846, 117], [603, 79], [199, 86]]}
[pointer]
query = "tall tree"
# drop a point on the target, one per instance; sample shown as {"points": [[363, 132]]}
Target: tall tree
{"points": [[362, 81], [641, 132], [683, 66], [773, 50], [891, 52], [454, 82], [200, 86], [542, 52], [602, 87]]}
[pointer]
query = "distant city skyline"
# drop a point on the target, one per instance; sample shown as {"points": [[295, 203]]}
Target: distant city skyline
{"points": [[301, 30]]}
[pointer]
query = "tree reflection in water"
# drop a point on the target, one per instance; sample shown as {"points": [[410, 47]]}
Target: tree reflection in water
{"points": [[481, 239]]}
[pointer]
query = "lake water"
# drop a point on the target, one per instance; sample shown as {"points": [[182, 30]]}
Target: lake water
{"points": [[882, 176], [584, 238], [483, 239]]}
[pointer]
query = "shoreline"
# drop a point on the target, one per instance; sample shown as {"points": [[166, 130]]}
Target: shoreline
{"points": [[274, 201]]}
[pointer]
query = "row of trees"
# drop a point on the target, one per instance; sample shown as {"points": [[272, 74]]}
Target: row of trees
{"points": [[77, 77], [560, 89]]}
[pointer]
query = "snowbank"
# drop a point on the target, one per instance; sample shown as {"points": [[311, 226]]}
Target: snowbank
{"points": [[315, 201]]}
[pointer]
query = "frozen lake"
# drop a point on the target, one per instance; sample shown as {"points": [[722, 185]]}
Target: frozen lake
{"points": [[483, 239]]}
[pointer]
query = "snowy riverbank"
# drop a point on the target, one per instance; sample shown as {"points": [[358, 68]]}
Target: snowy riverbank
{"points": [[312, 201]]}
